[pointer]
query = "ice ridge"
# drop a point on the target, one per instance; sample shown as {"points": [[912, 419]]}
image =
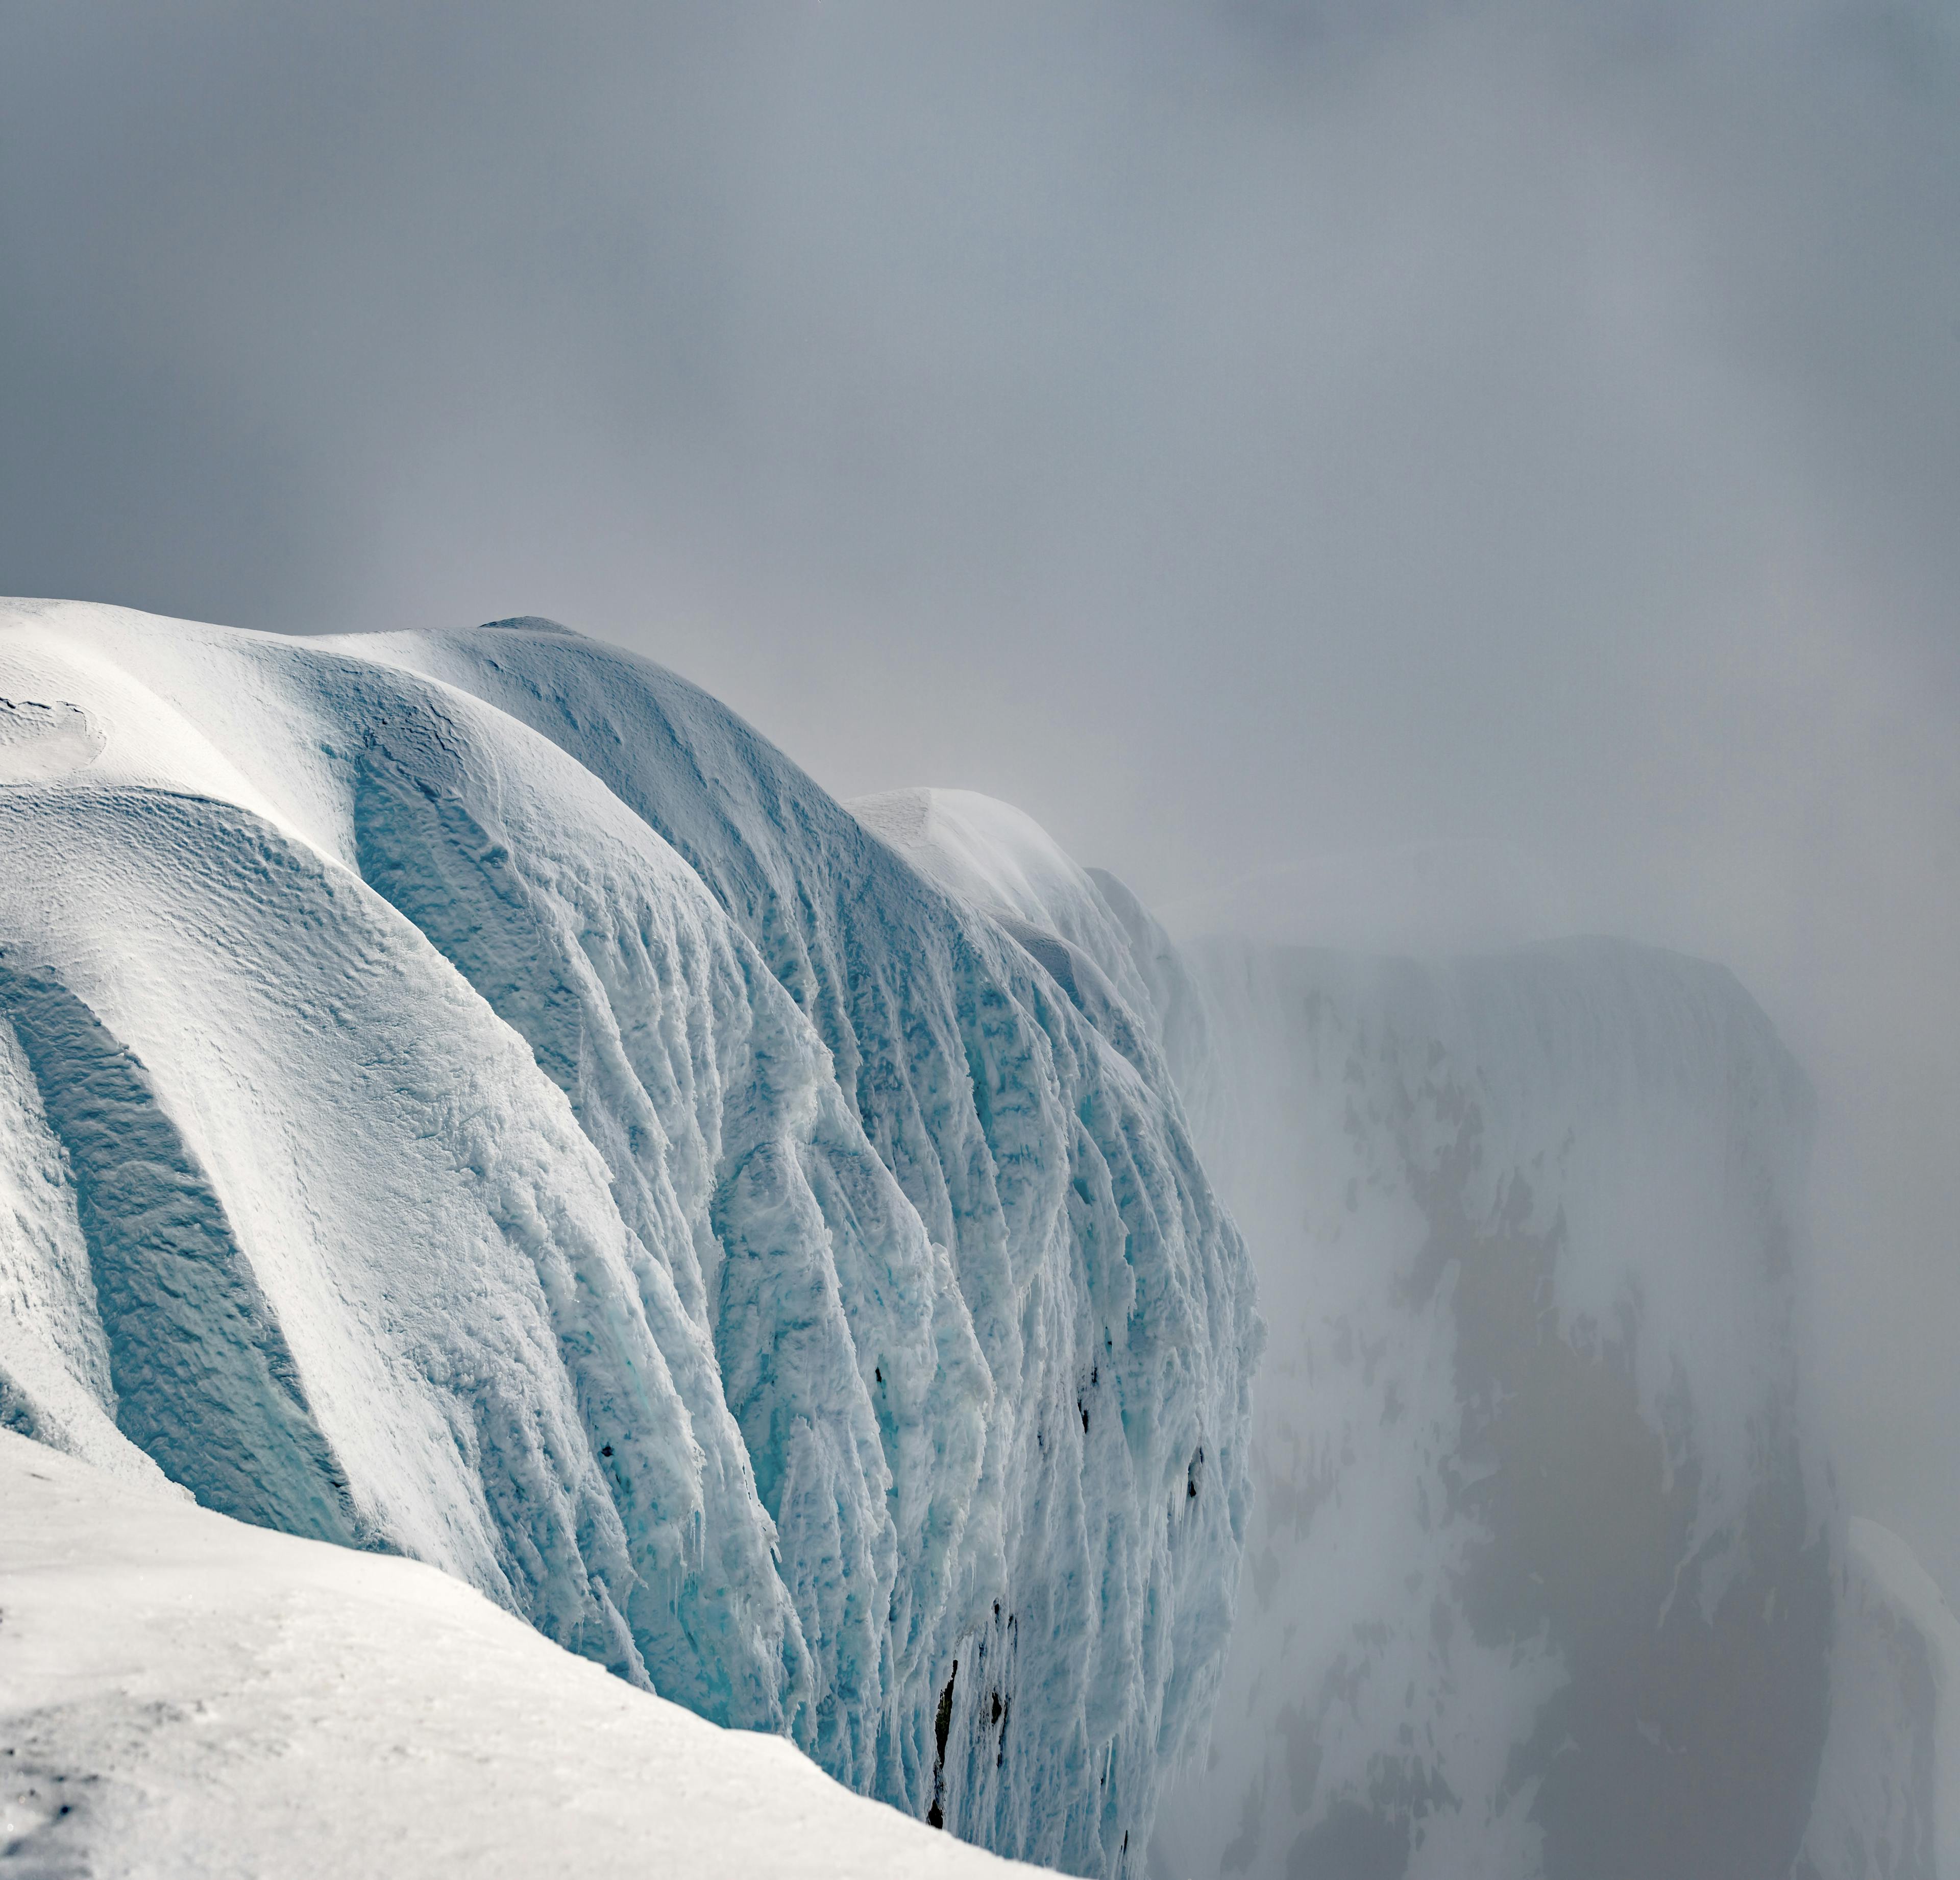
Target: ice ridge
{"points": [[477, 1069]]}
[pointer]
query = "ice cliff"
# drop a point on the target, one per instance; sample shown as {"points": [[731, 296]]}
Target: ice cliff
{"points": [[1888, 1801], [465, 1094], [1542, 1580]]}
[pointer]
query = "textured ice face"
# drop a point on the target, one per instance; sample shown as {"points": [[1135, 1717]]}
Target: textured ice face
{"points": [[475, 1098], [1538, 1581]]}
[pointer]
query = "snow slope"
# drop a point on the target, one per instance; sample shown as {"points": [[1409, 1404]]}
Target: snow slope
{"points": [[181, 1695], [467, 1096], [1538, 1582]]}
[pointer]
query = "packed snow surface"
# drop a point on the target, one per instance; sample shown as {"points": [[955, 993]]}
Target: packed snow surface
{"points": [[465, 1095], [182, 1695]]}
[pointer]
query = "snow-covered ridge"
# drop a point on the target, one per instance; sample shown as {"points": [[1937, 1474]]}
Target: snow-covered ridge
{"points": [[182, 1698], [466, 1094], [1083, 923]]}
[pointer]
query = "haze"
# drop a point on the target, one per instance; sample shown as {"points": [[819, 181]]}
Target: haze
{"points": [[1242, 435]]}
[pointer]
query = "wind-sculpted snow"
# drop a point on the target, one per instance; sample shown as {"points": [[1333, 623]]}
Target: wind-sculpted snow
{"points": [[182, 1319], [476, 1099], [1538, 1579], [183, 1696]]}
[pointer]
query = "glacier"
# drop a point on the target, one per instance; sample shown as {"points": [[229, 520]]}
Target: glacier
{"points": [[1547, 1577], [464, 1094]]}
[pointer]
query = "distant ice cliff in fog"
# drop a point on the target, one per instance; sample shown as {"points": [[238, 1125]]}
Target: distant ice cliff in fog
{"points": [[1887, 1801], [1545, 1580], [466, 1094]]}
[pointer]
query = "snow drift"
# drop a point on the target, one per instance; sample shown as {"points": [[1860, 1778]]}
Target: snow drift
{"points": [[183, 1697], [466, 1094]]}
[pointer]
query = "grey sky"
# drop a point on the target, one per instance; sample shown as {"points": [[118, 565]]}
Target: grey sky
{"points": [[1235, 432]]}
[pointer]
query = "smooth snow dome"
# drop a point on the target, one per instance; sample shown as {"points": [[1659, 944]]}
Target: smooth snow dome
{"points": [[184, 1697], [987, 851], [465, 1094], [1430, 899], [999, 860], [1092, 934]]}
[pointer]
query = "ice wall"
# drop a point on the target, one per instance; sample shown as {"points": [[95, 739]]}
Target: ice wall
{"points": [[1888, 1801], [1539, 1577], [469, 1096]]}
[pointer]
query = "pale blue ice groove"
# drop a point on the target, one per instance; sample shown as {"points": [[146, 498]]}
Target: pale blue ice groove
{"points": [[769, 1258]]}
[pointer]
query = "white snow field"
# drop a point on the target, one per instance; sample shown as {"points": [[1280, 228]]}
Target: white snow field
{"points": [[183, 1695], [465, 1095]]}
